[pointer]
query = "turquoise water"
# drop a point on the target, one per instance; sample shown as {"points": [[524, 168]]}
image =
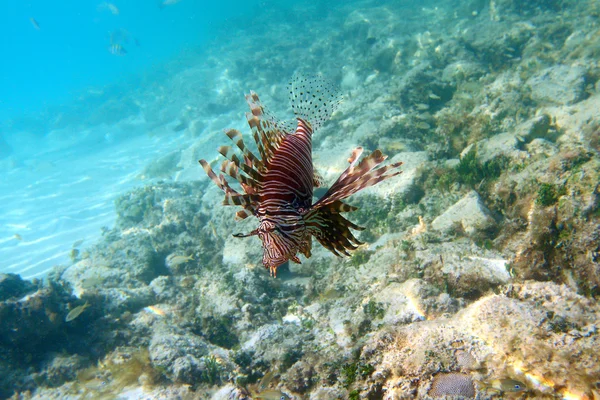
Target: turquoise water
{"points": [[71, 135], [79, 123], [69, 54]]}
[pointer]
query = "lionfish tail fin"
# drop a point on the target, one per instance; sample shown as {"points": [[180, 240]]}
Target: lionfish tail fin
{"points": [[332, 230], [357, 177], [313, 99]]}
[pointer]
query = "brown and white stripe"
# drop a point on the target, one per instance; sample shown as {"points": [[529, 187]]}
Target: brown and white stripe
{"points": [[278, 184]]}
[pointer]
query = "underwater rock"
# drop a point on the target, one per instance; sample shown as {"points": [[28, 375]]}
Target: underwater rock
{"points": [[541, 147], [186, 369], [529, 333], [229, 392], [401, 303], [534, 128], [177, 353], [469, 212], [472, 275], [495, 43], [118, 287], [11, 285], [164, 288], [461, 70], [466, 360], [32, 328], [164, 167], [29, 322], [62, 369], [370, 25], [328, 393], [502, 144], [500, 9], [560, 84], [457, 269], [299, 377]]}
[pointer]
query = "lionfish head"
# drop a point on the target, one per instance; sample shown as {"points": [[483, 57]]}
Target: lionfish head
{"points": [[278, 246]]}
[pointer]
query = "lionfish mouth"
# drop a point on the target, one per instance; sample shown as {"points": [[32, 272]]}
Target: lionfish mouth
{"points": [[277, 185]]}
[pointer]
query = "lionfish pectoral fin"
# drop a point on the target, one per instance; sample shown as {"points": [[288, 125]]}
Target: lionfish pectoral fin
{"points": [[332, 230], [367, 173], [242, 214], [243, 235]]}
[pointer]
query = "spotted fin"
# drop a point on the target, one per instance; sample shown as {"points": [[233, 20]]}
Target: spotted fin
{"points": [[313, 99]]}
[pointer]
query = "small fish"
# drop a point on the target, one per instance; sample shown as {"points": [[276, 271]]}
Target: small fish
{"points": [[120, 36], [110, 7], [508, 385], [174, 261], [214, 231], [434, 96], [77, 243], [117, 49], [165, 3], [76, 312], [17, 236], [73, 254], [35, 24], [422, 106], [331, 293], [423, 125], [266, 380]]}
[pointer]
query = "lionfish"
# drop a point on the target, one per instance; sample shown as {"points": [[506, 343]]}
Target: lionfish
{"points": [[278, 183]]}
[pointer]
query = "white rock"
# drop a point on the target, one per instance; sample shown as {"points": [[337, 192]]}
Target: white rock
{"points": [[476, 268], [560, 84], [469, 211], [402, 303], [541, 147]]}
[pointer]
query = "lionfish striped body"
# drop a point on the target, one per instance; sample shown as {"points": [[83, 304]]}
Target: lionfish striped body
{"points": [[278, 185]]}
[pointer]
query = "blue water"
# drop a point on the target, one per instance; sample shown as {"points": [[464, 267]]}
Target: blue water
{"points": [[69, 53], [64, 154]]}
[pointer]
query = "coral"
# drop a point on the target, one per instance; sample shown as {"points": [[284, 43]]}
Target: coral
{"points": [[11, 285], [465, 359], [300, 377]]}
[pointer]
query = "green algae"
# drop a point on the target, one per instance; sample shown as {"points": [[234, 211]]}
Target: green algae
{"points": [[111, 376], [360, 257], [374, 310], [471, 171], [212, 370], [548, 194]]}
